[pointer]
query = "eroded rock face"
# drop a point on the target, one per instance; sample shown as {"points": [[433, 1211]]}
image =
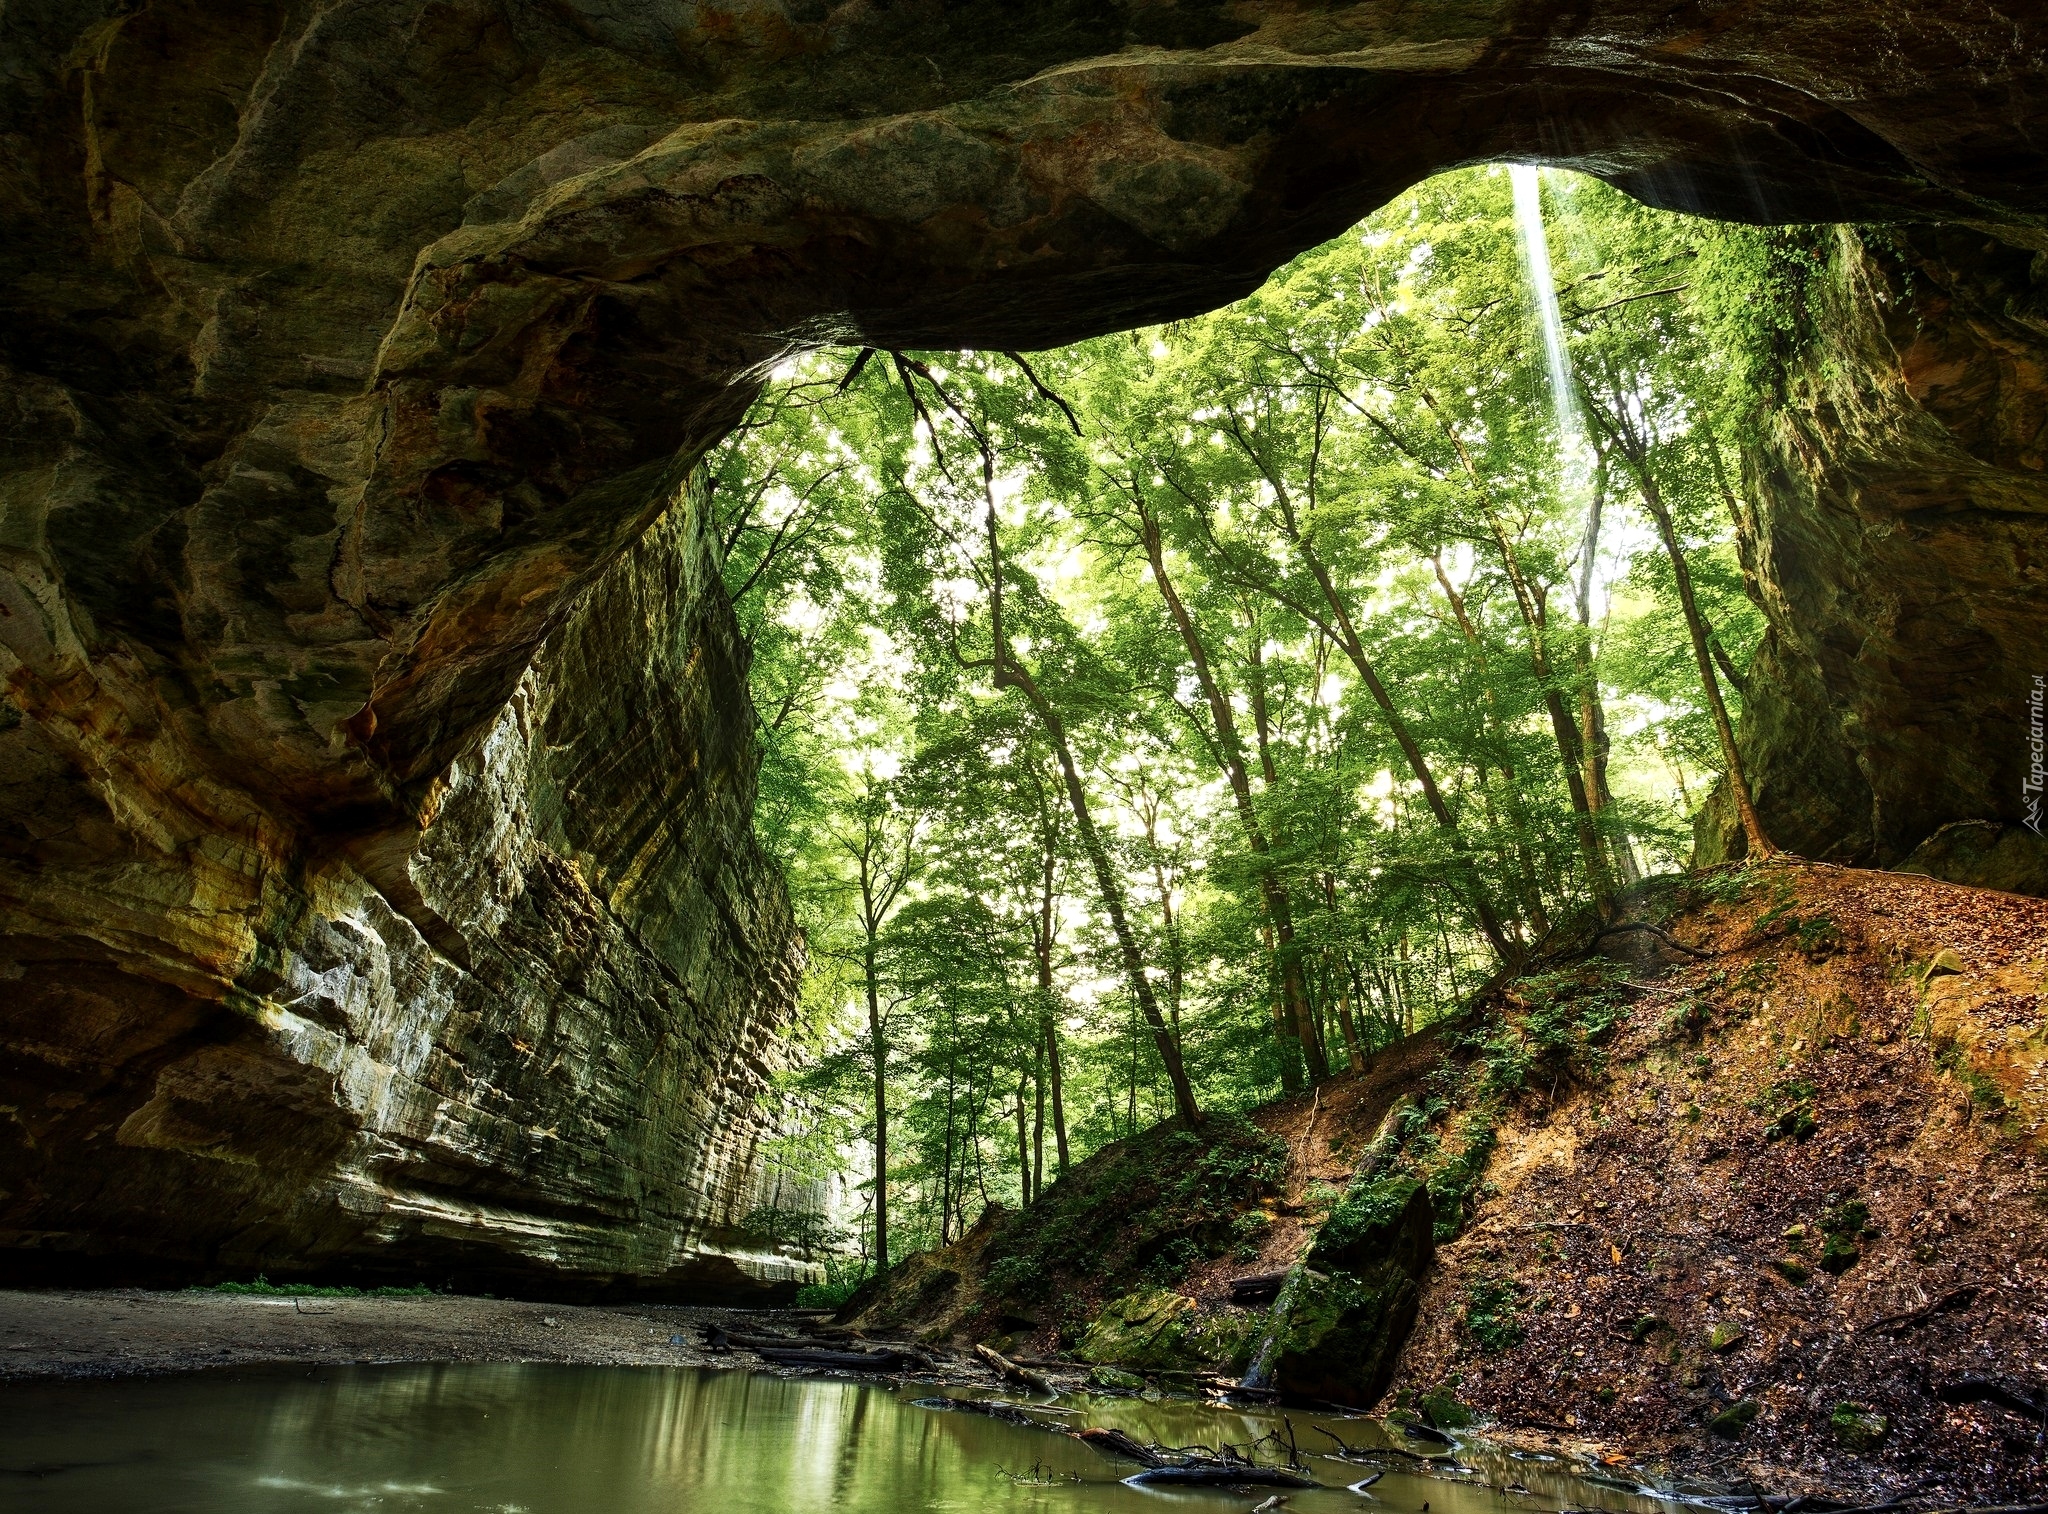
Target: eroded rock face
{"points": [[1898, 541], [350, 346], [520, 1046]]}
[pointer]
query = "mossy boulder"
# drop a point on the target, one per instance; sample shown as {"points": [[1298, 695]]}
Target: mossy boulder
{"points": [[1338, 1332], [1149, 1328], [1733, 1420], [1858, 1428], [1726, 1336]]}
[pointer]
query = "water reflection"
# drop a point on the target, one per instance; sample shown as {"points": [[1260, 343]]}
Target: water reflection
{"points": [[538, 1439]]}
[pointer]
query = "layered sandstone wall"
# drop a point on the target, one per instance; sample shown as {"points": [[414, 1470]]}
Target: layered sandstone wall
{"points": [[1897, 537], [523, 1044]]}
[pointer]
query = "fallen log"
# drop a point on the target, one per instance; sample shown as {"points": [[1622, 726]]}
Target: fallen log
{"points": [[1415, 1429], [1010, 1371], [1256, 1286], [774, 1342], [1116, 1444], [1220, 1474], [854, 1361], [992, 1408], [720, 1339]]}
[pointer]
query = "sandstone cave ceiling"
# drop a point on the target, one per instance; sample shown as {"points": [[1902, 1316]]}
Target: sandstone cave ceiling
{"points": [[349, 340]]}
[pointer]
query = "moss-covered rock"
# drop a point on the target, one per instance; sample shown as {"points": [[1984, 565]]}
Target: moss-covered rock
{"points": [[1336, 1334], [1144, 1329], [1733, 1420], [1725, 1336], [1858, 1428]]}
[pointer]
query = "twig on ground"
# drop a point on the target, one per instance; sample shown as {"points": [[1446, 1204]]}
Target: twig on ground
{"points": [[1948, 1303], [1655, 930]]}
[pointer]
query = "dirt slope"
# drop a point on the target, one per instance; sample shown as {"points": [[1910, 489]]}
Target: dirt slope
{"points": [[1806, 1063], [1735, 1190]]}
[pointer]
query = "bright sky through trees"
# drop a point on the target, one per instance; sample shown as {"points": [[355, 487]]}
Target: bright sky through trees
{"points": [[1239, 692]]}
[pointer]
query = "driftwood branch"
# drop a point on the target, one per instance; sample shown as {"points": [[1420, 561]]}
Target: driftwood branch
{"points": [[1120, 1447], [1009, 1371]]}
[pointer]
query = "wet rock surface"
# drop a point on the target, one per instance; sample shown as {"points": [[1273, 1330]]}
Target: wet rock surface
{"points": [[1349, 1312], [519, 1046]]}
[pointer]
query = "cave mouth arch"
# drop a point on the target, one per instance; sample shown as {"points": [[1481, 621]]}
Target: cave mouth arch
{"points": [[1096, 194], [468, 286]]}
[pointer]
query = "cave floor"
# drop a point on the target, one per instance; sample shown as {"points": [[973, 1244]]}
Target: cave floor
{"points": [[125, 1332]]}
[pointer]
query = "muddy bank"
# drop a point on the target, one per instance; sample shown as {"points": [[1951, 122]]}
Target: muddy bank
{"points": [[129, 1331], [135, 1332]]}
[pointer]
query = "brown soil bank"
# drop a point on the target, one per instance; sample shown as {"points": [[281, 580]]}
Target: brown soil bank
{"points": [[1749, 1194], [1679, 1238]]}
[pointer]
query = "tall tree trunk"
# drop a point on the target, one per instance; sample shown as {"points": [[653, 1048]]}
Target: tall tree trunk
{"points": [[1518, 810], [1696, 626], [1230, 757], [946, 1167], [1048, 998], [1354, 1053], [1038, 1119], [1023, 1143], [1593, 741], [1012, 674], [1176, 957], [1286, 1029], [879, 1049], [1109, 889], [1634, 448], [1053, 1076], [1529, 602], [1564, 730]]}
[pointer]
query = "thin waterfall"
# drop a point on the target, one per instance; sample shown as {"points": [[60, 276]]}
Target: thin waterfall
{"points": [[1571, 438], [1267, 1355]]}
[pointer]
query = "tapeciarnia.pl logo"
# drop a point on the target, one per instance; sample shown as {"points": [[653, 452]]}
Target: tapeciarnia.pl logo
{"points": [[2037, 752]]}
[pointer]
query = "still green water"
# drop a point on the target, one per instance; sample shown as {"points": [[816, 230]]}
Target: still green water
{"points": [[526, 1439]]}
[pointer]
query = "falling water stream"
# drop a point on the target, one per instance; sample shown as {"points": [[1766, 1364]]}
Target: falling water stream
{"points": [[1571, 439]]}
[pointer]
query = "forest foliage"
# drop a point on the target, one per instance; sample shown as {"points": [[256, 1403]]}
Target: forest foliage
{"points": [[1159, 724]]}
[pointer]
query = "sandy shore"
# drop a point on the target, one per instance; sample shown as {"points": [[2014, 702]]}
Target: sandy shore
{"points": [[122, 1332]]}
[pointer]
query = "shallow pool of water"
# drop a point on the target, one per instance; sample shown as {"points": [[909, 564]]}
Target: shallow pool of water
{"points": [[537, 1439]]}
